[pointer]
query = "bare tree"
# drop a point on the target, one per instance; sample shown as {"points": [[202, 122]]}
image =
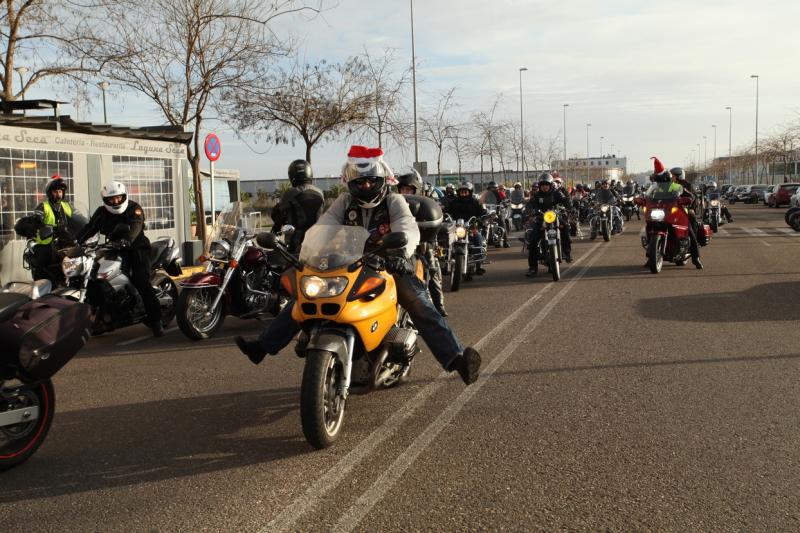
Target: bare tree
{"points": [[460, 142], [781, 146], [387, 113], [313, 102], [184, 55], [53, 39], [436, 128], [489, 133]]}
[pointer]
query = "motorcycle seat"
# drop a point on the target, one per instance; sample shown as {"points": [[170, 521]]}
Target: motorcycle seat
{"points": [[158, 250], [10, 302]]}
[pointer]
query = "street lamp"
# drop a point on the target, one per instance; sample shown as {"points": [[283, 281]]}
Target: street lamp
{"points": [[588, 174], [521, 129], [756, 78], [103, 86], [601, 145], [565, 106], [697, 163], [705, 152], [715, 142], [414, 84], [21, 71], [730, 130]]}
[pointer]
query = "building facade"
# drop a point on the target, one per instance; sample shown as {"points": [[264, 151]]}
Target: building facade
{"points": [[583, 169], [151, 162]]}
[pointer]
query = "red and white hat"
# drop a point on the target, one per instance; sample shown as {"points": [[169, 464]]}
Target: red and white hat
{"points": [[366, 162], [658, 167]]}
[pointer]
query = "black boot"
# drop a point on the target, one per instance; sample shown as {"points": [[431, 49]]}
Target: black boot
{"points": [[252, 349], [531, 273], [158, 328], [697, 264], [468, 366], [442, 310]]}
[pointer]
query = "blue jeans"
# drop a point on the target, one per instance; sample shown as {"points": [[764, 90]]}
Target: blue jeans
{"points": [[412, 296]]}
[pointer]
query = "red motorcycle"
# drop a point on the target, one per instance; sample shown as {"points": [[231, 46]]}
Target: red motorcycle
{"points": [[240, 279], [667, 226]]}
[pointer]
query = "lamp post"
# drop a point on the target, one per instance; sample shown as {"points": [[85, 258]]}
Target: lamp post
{"points": [[414, 84], [103, 86], [756, 78], [713, 159], [705, 152], [697, 161], [22, 71], [521, 129], [612, 149], [601, 145], [565, 106], [588, 174], [730, 130]]}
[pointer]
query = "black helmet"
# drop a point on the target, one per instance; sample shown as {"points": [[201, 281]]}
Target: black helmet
{"points": [[300, 172], [545, 177], [491, 185], [411, 179], [55, 183]]}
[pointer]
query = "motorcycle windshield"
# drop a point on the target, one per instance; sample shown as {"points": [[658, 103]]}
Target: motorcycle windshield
{"points": [[329, 247], [664, 192], [490, 208], [233, 222]]}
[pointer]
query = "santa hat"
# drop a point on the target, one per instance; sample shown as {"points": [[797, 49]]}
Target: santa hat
{"points": [[363, 161], [658, 166]]}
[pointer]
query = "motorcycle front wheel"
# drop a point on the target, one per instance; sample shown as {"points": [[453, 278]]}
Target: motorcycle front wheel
{"points": [[193, 315], [714, 224], [555, 266], [457, 275], [606, 232], [654, 258], [19, 441], [321, 407]]}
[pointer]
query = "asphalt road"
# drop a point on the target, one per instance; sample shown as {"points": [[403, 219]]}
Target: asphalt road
{"points": [[613, 399]]}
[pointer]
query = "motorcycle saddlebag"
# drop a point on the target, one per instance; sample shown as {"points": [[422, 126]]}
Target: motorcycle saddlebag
{"points": [[46, 333], [705, 235]]}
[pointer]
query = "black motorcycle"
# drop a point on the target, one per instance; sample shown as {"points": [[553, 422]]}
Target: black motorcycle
{"points": [[550, 253], [629, 208], [468, 254]]}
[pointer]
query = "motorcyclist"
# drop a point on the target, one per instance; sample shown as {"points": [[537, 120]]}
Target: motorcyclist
{"points": [[465, 206], [547, 198], [449, 194], [517, 195], [117, 210], [712, 189], [501, 192], [410, 184], [491, 195], [679, 176], [54, 221], [300, 206], [608, 195], [369, 204]]}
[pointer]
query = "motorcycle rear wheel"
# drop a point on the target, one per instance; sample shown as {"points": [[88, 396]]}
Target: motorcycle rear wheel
{"points": [[191, 313], [19, 442], [654, 258], [321, 408], [165, 287], [458, 273]]}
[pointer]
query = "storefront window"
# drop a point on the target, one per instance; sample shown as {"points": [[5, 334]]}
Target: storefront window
{"points": [[149, 182], [23, 177]]}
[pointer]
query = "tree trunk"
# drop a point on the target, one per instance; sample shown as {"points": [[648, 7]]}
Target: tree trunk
{"points": [[194, 162]]}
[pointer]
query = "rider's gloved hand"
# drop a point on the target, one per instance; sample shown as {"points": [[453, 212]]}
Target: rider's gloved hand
{"points": [[397, 265]]}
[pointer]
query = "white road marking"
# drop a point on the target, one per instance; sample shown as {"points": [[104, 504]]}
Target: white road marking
{"points": [[723, 232], [789, 232], [374, 494], [312, 497], [756, 232], [144, 337]]}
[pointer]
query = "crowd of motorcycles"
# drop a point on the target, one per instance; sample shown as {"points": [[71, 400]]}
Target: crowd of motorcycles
{"points": [[252, 275]]}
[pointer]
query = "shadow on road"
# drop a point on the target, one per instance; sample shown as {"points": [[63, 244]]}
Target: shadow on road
{"points": [[762, 303], [132, 444]]}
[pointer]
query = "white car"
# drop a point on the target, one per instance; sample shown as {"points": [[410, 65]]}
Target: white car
{"points": [[794, 201]]}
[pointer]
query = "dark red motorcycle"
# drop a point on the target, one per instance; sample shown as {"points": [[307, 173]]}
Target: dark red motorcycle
{"points": [[240, 279], [667, 226]]}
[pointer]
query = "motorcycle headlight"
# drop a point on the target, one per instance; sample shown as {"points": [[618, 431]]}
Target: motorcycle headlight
{"points": [[219, 250], [461, 232], [550, 217], [657, 215], [714, 203], [604, 208], [317, 287], [72, 266]]}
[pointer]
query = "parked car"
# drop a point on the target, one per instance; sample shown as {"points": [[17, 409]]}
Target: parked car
{"points": [[794, 201], [756, 194], [740, 193], [769, 191], [783, 194]]}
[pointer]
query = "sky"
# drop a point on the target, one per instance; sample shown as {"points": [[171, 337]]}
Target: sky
{"points": [[651, 77]]}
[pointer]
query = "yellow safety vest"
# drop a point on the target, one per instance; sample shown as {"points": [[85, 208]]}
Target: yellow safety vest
{"points": [[50, 219]]}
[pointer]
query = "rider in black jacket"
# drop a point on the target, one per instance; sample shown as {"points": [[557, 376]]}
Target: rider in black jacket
{"points": [[545, 199], [300, 206], [117, 209], [465, 206], [679, 177]]}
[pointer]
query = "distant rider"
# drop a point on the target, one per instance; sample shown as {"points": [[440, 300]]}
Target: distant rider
{"points": [[679, 176], [466, 206], [300, 206], [545, 199], [55, 216], [608, 195]]}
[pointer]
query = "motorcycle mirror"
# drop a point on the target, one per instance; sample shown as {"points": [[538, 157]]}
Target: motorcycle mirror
{"points": [[120, 231], [266, 240], [395, 240], [287, 228]]}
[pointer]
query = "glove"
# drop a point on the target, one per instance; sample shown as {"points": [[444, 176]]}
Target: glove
{"points": [[397, 265]]}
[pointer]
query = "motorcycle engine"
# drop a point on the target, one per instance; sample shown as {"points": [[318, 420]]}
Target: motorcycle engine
{"points": [[402, 344]]}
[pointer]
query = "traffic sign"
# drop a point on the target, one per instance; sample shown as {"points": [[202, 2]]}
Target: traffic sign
{"points": [[213, 147]]}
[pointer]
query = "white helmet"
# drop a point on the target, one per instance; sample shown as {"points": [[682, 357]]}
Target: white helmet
{"points": [[111, 190]]}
